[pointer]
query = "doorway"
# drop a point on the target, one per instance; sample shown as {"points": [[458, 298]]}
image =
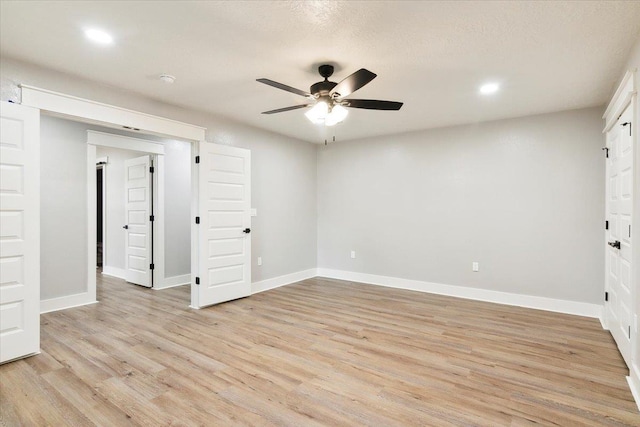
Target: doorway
{"points": [[146, 196], [100, 213], [127, 215], [116, 118]]}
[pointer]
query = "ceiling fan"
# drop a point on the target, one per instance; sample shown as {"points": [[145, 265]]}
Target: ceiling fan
{"points": [[328, 98]]}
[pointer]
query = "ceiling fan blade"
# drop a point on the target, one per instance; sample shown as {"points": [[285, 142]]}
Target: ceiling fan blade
{"points": [[280, 110], [373, 104], [284, 87], [353, 82]]}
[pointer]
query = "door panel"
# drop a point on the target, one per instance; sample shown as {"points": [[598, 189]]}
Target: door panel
{"points": [[619, 198], [138, 211], [19, 231], [225, 211]]}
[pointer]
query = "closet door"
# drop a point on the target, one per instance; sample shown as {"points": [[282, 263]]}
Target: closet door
{"points": [[138, 229], [619, 197], [19, 231]]}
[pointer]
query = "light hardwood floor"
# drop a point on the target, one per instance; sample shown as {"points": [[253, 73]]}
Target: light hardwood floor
{"points": [[319, 352]]}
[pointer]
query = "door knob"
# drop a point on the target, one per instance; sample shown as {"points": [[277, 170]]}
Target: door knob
{"points": [[615, 244], [246, 230], [126, 227]]}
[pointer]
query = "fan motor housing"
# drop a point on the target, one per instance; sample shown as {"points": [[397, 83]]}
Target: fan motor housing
{"points": [[322, 88]]}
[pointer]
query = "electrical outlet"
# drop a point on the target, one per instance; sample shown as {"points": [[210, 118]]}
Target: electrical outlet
{"points": [[259, 260], [353, 254], [475, 266]]}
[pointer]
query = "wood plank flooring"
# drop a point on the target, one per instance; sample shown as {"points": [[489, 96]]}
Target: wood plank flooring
{"points": [[319, 352]]}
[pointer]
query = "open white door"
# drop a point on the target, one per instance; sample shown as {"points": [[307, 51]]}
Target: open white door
{"points": [[224, 215], [19, 231], [619, 200], [138, 204]]}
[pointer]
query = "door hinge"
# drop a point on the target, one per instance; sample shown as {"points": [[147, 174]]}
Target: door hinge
{"points": [[606, 225], [197, 220], [197, 159], [629, 331], [152, 169], [625, 124], [197, 280], [152, 218], [606, 296], [152, 266], [629, 230], [606, 151]]}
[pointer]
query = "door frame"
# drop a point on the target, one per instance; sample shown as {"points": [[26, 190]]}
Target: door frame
{"points": [[156, 150], [92, 112]]}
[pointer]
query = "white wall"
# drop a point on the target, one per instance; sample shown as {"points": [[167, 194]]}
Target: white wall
{"points": [[63, 204], [177, 208], [283, 169], [523, 197]]}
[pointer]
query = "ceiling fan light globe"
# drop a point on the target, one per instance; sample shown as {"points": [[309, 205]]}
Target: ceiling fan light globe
{"points": [[318, 113], [337, 115]]}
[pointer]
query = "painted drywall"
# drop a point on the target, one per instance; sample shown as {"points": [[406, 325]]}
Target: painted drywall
{"points": [[523, 197], [63, 209], [115, 216], [177, 208], [284, 232]]}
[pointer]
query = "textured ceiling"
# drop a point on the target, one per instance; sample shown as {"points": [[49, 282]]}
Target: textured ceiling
{"points": [[548, 56]]}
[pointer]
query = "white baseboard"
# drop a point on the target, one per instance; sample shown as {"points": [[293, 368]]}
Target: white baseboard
{"points": [[634, 382], [170, 282], [603, 321], [69, 301], [114, 271], [528, 301], [287, 279]]}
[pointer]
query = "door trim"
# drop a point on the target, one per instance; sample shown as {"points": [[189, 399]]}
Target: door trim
{"points": [[104, 114], [620, 100]]}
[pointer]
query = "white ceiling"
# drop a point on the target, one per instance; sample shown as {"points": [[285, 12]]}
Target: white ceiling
{"points": [[433, 56]]}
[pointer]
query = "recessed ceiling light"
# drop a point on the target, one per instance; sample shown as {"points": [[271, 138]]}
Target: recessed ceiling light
{"points": [[167, 78], [489, 88], [98, 36]]}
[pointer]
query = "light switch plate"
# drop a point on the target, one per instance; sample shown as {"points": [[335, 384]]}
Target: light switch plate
{"points": [[254, 212]]}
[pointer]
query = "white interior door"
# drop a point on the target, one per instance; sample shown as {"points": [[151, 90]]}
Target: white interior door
{"points": [[138, 204], [618, 308], [19, 231], [224, 239]]}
